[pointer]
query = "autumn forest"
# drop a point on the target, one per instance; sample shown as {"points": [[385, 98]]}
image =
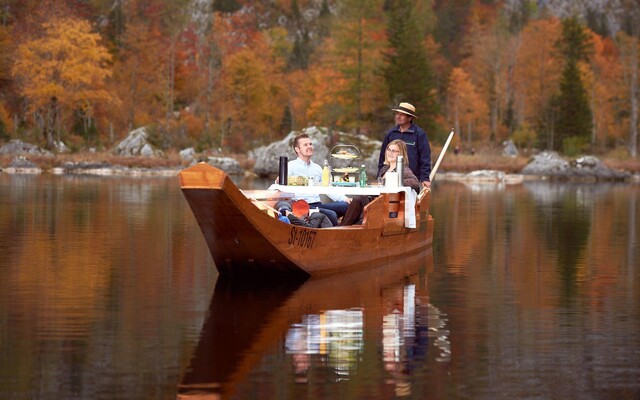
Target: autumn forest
{"points": [[235, 74]]}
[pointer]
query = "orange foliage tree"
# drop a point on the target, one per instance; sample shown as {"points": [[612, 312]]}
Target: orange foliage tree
{"points": [[465, 107], [605, 87], [63, 71], [5, 54], [490, 54], [325, 94], [353, 55], [630, 57], [537, 74], [139, 79], [254, 95]]}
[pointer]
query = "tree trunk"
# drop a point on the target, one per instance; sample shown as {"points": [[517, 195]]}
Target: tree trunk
{"points": [[359, 79], [633, 97], [209, 91], [456, 117], [494, 103], [212, 65], [49, 123], [171, 74], [133, 95], [594, 112]]}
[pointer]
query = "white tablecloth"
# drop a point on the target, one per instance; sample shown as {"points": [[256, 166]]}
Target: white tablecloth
{"points": [[409, 202]]}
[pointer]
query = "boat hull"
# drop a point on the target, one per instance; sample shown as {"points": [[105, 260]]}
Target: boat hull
{"points": [[245, 240]]}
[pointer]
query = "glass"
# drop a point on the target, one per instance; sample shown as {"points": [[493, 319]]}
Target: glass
{"points": [[393, 151]]}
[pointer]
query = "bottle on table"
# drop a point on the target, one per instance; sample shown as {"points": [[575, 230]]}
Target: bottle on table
{"points": [[283, 170], [326, 174], [363, 176], [399, 168]]}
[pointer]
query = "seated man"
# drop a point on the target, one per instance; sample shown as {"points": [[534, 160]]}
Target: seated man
{"points": [[303, 166]]}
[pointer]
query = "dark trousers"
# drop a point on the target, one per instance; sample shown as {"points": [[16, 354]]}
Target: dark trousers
{"points": [[355, 212], [340, 207], [333, 217]]}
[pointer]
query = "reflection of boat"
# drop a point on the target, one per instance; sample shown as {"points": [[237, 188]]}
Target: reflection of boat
{"points": [[244, 237], [246, 321]]}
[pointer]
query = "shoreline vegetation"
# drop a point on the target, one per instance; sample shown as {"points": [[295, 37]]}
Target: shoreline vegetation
{"points": [[453, 166]]}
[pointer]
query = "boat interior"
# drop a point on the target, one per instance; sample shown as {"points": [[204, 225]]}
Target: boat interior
{"points": [[385, 210]]}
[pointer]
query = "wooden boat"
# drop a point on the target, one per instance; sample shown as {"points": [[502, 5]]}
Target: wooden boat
{"points": [[245, 237]]}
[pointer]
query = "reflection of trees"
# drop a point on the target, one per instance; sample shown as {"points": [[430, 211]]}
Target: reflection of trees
{"points": [[89, 264], [571, 238], [564, 223]]}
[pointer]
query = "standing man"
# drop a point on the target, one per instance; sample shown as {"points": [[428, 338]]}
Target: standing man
{"points": [[418, 149], [303, 166]]}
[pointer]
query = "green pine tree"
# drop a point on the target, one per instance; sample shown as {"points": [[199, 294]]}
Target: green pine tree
{"points": [[408, 73], [574, 119]]}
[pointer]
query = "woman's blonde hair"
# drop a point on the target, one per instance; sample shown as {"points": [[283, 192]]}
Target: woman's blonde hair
{"points": [[403, 150]]}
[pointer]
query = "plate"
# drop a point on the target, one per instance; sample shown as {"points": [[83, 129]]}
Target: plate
{"points": [[347, 184], [345, 156], [347, 170]]}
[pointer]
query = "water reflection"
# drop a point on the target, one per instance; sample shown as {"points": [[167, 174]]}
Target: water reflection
{"points": [[336, 336], [326, 328], [539, 280], [106, 289], [103, 282]]}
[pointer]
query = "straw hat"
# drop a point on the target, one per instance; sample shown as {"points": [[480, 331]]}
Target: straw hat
{"points": [[406, 108]]}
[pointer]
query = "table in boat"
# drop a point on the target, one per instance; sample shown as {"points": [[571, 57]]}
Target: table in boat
{"points": [[409, 203]]}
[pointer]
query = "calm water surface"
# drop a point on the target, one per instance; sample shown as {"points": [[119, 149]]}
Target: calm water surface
{"points": [[107, 291]]}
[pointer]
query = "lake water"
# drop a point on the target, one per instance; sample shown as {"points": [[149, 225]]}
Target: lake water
{"points": [[107, 291]]}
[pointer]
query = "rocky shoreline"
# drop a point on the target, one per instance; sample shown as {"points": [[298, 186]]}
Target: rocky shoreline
{"points": [[542, 166], [480, 176]]}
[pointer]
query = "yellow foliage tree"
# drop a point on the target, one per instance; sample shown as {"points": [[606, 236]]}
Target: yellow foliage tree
{"points": [[64, 70], [254, 97], [630, 62], [324, 90], [5, 53], [537, 73], [465, 106], [139, 80], [6, 125], [491, 53], [605, 85]]}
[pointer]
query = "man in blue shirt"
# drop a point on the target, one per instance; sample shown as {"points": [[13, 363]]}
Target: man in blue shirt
{"points": [[419, 151], [303, 166]]}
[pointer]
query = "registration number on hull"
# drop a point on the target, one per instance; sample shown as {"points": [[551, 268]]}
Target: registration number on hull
{"points": [[301, 237]]}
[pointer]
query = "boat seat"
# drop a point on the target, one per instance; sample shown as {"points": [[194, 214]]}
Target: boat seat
{"points": [[375, 212], [393, 224], [268, 209]]}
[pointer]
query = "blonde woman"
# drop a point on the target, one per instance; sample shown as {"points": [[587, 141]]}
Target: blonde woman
{"points": [[355, 212], [394, 149]]}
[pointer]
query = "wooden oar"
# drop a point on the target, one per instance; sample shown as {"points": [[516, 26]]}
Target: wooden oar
{"points": [[444, 150]]}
